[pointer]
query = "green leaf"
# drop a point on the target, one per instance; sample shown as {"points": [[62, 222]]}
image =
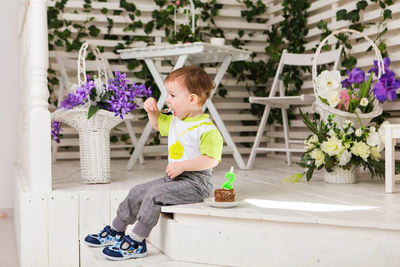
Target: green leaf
{"points": [[104, 10], [323, 100], [353, 15], [362, 5], [94, 31], [125, 137], [148, 28], [295, 178], [382, 47], [309, 173], [341, 14], [133, 64], [92, 111], [365, 87], [127, 6], [387, 14], [323, 25]]}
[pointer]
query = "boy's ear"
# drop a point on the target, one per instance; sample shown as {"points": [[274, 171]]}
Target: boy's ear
{"points": [[194, 99]]}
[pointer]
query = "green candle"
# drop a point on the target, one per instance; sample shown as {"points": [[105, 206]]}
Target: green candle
{"points": [[231, 177]]}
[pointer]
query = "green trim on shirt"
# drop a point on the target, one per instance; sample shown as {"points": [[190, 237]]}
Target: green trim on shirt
{"points": [[211, 144], [164, 122], [197, 118], [193, 127]]}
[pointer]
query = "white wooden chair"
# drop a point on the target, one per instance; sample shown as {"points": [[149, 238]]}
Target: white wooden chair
{"points": [[65, 63], [283, 102]]}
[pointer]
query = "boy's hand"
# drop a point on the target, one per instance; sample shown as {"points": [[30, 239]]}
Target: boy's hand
{"points": [[174, 169], [150, 105]]}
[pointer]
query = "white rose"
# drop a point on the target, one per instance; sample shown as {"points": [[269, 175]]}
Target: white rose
{"points": [[328, 81], [344, 158], [319, 157], [332, 146], [333, 98], [372, 129], [332, 133], [358, 132], [309, 143], [350, 131], [361, 149], [373, 139], [364, 102], [375, 153]]}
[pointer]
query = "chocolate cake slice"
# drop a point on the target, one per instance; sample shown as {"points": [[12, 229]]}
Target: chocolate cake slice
{"points": [[224, 195]]}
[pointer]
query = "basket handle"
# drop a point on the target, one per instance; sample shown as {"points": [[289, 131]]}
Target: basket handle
{"points": [[381, 69], [101, 65]]}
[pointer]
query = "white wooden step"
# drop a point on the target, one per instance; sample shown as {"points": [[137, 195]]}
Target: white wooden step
{"points": [[94, 257], [155, 258]]}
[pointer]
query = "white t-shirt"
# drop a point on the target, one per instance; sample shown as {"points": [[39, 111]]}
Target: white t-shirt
{"points": [[191, 137]]}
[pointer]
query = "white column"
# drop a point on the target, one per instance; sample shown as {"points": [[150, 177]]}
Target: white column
{"points": [[39, 116]]}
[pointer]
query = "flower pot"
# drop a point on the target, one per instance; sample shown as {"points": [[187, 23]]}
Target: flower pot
{"points": [[217, 41], [341, 176], [94, 140]]}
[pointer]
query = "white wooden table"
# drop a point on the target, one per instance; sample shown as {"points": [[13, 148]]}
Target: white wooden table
{"points": [[193, 53], [392, 131]]}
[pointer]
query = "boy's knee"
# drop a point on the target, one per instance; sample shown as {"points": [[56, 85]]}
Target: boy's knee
{"points": [[153, 193]]}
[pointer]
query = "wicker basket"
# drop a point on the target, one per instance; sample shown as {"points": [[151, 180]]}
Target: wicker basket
{"points": [[341, 176], [340, 116], [94, 133]]}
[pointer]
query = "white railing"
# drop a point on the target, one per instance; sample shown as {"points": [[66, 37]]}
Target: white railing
{"points": [[34, 129]]}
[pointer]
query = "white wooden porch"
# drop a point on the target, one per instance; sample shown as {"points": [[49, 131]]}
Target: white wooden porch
{"points": [[315, 223], [280, 224]]}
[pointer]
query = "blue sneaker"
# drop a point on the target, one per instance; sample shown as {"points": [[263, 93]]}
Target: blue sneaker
{"points": [[105, 237], [125, 249]]}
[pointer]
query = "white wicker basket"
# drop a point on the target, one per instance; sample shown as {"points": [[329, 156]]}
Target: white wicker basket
{"points": [[341, 176], [94, 133], [340, 116]]}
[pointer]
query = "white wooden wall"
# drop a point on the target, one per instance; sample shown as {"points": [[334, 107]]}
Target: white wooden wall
{"points": [[230, 20]]}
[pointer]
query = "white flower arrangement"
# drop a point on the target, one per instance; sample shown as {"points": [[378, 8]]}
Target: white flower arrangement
{"points": [[331, 145]]}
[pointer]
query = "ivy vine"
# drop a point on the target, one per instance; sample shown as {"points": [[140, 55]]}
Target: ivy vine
{"points": [[290, 34]]}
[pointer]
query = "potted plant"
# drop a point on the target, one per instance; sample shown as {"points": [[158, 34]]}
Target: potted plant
{"points": [[340, 149], [184, 35], [354, 98], [98, 105]]}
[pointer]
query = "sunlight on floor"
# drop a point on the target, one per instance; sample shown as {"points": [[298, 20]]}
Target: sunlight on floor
{"points": [[305, 206]]}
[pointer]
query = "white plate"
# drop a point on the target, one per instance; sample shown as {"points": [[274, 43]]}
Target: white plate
{"points": [[211, 202]]}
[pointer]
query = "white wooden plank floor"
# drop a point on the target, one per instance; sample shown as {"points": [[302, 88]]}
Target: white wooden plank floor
{"points": [[362, 204]]}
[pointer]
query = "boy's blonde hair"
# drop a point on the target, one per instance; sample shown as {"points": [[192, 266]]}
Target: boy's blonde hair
{"points": [[195, 79]]}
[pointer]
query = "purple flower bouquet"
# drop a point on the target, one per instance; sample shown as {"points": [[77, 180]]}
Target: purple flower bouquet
{"points": [[94, 109], [118, 96], [355, 94]]}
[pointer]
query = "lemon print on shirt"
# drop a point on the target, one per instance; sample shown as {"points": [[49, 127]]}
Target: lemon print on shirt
{"points": [[176, 151]]}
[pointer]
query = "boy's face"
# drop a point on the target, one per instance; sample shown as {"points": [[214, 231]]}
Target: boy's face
{"points": [[180, 100]]}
